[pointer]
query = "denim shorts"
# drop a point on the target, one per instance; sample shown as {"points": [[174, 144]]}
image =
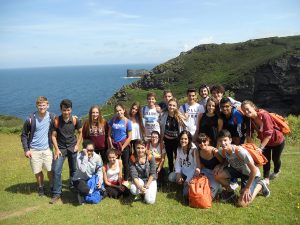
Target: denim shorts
{"points": [[244, 178]]}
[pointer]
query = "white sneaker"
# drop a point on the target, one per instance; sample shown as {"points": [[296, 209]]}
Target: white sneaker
{"points": [[233, 186], [274, 175], [265, 190]]}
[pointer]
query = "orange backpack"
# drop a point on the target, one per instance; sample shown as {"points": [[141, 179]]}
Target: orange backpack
{"points": [[281, 123], [258, 158], [199, 193]]}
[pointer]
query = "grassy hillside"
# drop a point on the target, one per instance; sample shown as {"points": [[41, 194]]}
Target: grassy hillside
{"points": [[225, 63]]}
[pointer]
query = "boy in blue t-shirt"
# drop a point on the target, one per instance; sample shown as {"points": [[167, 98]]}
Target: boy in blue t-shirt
{"points": [[36, 141]]}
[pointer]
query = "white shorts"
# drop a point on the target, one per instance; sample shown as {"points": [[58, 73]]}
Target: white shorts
{"points": [[41, 159]]}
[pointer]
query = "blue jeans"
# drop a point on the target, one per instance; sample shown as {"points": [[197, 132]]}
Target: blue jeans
{"points": [[57, 167], [244, 178]]}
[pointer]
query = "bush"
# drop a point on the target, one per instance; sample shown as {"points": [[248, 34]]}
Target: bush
{"points": [[294, 124]]}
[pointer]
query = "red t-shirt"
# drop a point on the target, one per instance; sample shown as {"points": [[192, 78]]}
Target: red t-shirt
{"points": [[267, 129], [98, 135]]}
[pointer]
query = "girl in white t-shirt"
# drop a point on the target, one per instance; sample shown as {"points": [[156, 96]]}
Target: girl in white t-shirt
{"points": [[187, 163], [138, 129], [112, 175]]}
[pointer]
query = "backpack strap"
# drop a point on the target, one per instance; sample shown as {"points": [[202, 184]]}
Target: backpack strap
{"points": [[144, 110], [56, 122], [184, 108], [237, 153]]}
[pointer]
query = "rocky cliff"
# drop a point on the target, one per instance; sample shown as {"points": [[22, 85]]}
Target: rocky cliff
{"points": [[274, 86], [266, 71]]}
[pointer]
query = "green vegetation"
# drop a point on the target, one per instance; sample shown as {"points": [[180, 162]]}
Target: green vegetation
{"points": [[225, 64], [10, 124], [21, 205]]}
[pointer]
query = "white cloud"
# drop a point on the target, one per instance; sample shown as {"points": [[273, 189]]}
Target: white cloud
{"points": [[117, 14]]}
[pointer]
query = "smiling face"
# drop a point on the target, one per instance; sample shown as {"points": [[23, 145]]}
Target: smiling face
{"points": [[249, 110], [172, 106], [119, 111], [184, 141], [112, 158], [226, 108], [217, 95], [168, 96], [66, 112], [211, 107], [191, 97], [225, 143], [151, 101], [90, 150], [203, 92], [42, 107], [154, 139], [95, 114], [134, 110], [203, 143], [141, 150]]}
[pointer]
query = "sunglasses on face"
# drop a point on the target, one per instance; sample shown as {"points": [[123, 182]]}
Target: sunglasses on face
{"points": [[90, 149], [202, 141]]}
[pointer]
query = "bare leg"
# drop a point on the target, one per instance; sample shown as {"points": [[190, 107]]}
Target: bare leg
{"points": [[242, 203], [40, 179]]}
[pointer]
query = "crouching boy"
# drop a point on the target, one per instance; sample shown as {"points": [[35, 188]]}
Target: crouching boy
{"points": [[239, 166]]}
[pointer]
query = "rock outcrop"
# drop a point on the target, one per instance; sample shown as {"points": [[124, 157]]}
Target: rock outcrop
{"points": [[137, 73], [274, 86]]}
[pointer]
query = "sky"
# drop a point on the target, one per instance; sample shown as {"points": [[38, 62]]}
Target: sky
{"points": [[36, 33]]}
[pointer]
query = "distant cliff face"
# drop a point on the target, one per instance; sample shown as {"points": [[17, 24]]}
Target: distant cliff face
{"points": [[274, 86]]}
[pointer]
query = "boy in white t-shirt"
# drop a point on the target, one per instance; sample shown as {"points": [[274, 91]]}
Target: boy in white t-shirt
{"points": [[238, 166], [192, 108], [150, 116]]}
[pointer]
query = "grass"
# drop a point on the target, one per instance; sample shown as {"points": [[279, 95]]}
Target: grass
{"points": [[21, 205]]}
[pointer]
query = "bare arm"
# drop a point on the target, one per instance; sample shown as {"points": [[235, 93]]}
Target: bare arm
{"points": [[76, 148], [128, 140], [57, 152]]}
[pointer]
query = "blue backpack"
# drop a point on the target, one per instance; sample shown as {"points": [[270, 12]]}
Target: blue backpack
{"points": [[95, 195]]}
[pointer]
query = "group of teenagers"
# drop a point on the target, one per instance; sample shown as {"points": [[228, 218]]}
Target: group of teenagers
{"points": [[126, 154]]}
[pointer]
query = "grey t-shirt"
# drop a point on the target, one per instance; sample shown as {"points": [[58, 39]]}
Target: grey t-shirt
{"points": [[240, 163]]}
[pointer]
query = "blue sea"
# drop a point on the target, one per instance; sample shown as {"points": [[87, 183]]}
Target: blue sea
{"points": [[84, 85]]}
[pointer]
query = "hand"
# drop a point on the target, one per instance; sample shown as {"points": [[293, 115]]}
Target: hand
{"points": [[76, 148], [260, 150], [99, 185], [179, 179], [197, 172], [57, 154], [28, 154], [247, 196], [142, 189], [158, 170], [84, 151]]}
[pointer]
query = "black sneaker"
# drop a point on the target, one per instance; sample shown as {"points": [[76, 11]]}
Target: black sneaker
{"points": [[41, 191], [55, 199], [80, 199], [227, 196]]}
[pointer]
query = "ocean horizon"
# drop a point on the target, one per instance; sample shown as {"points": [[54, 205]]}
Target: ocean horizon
{"points": [[84, 85]]}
